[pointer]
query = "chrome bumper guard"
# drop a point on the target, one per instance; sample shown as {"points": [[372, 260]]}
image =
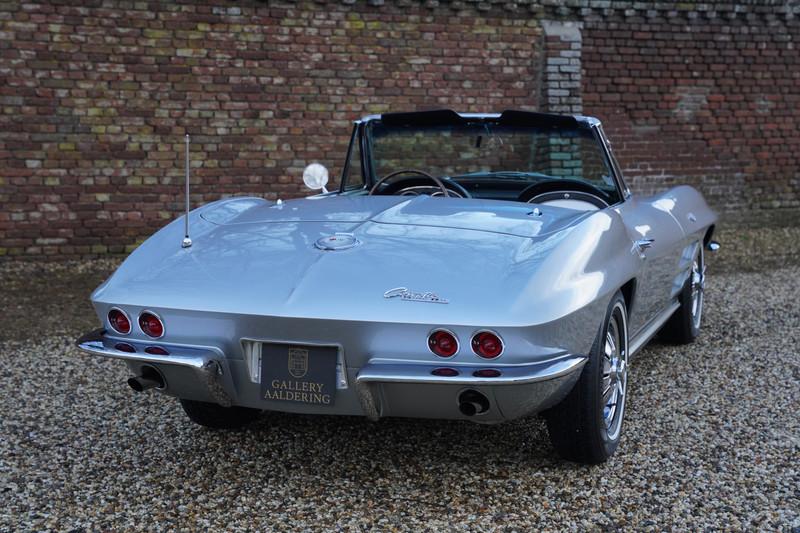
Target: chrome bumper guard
{"points": [[559, 371], [209, 365]]}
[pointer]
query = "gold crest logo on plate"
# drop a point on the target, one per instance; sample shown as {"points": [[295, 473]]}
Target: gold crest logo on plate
{"points": [[298, 362]]}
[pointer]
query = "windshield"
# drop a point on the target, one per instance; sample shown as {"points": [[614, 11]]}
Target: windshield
{"points": [[490, 160]]}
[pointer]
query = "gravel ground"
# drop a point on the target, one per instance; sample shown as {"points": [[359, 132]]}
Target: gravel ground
{"points": [[712, 435]]}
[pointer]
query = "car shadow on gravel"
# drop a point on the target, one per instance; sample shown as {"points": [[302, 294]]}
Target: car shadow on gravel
{"points": [[355, 444], [458, 443], [422, 463]]}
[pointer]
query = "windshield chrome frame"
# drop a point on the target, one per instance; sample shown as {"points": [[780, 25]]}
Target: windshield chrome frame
{"points": [[613, 164], [355, 137], [591, 123]]}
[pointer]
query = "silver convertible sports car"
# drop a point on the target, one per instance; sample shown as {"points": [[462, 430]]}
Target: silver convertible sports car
{"points": [[482, 267]]}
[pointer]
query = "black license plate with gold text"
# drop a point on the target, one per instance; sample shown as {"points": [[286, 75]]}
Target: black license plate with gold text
{"points": [[298, 374]]}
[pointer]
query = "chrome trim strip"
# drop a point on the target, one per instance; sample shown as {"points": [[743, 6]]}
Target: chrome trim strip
{"points": [[649, 331], [511, 375]]}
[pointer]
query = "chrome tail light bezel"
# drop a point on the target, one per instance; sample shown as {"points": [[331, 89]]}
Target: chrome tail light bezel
{"points": [[113, 326], [157, 317], [475, 343]]}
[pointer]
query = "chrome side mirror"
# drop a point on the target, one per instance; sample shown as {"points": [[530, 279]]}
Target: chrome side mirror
{"points": [[315, 176], [712, 246]]}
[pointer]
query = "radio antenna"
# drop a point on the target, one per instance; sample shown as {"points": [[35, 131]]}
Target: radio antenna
{"points": [[187, 242]]}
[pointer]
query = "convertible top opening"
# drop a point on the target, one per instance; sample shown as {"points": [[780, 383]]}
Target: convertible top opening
{"points": [[441, 117], [514, 156]]}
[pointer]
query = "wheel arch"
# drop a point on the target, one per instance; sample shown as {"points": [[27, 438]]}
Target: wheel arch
{"points": [[628, 290], [709, 234]]}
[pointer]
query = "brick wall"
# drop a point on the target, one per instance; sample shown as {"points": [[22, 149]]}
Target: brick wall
{"points": [[95, 100], [95, 97], [713, 101]]}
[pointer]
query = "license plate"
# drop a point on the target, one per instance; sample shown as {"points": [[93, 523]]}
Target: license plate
{"points": [[298, 374]]}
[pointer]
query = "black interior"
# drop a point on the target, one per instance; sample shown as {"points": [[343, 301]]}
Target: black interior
{"points": [[413, 185], [555, 189], [499, 189]]}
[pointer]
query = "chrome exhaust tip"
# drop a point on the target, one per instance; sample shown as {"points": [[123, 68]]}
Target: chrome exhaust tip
{"points": [[150, 379], [472, 402]]}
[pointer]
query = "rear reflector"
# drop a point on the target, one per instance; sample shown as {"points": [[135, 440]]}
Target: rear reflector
{"points": [[151, 325], [486, 373], [124, 347], [443, 343], [156, 350], [119, 321], [445, 372]]}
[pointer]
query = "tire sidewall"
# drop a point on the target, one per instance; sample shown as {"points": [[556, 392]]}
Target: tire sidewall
{"points": [[617, 305], [694, 330]]}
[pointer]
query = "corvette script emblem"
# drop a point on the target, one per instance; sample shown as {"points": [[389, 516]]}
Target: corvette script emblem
{"points": [[407, 294]]}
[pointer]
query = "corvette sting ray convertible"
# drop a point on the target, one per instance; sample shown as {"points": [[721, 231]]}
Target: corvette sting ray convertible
{"points": [[482, 267]]}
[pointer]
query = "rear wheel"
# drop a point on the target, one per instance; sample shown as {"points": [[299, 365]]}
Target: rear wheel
{"points": [[684, 325], [215, 416], [586, 426]]}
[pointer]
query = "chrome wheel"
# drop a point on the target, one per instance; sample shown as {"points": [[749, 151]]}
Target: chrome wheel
{"points": [[615, 372], [587, 425], [698, 279]]}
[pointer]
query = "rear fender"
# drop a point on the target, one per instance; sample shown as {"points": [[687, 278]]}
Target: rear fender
{"points": [[579, 276], [690, 211]]}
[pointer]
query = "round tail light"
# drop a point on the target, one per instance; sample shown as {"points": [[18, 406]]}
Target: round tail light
{"points": [[119, 321], [487, 345], [151, 325], [443, 343]]}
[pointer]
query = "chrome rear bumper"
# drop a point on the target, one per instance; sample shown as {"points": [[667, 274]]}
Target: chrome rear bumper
{"points": [[208, 364], [397, 389], [382, 387]]}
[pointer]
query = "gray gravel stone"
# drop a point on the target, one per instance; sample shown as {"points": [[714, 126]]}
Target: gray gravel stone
{"points": [[711, 441]]}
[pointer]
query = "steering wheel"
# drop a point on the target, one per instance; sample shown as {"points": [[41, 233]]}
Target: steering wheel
{"points": [[434, 179], [564, 189]]}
